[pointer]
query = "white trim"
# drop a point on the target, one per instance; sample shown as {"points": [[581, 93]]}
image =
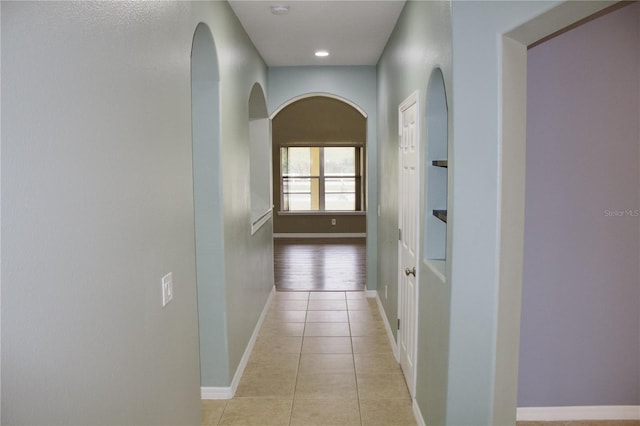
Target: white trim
{"points": [[313, 94], [594, 412], [321, 235], [228, 392], [418, 414], [371, 293], [385, 321], [264, 218], [209, 392]]}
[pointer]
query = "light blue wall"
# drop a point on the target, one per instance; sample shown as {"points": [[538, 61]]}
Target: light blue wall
{"points": [[207, 198], [248, 261], [358, 85], [424, 31], [472, 396]]}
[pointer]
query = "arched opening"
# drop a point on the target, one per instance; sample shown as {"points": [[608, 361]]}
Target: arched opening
{"points": [[260, 158], [318, 157], [311, 95], [205, 116], [319, 180]]}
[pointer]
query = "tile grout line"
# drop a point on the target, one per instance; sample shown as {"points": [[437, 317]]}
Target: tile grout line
{"points": [[222, 414], [295, 386], [353, 358]]}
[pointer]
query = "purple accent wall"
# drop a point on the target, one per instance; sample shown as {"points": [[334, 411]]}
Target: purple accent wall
{"points": [[580, 330]]}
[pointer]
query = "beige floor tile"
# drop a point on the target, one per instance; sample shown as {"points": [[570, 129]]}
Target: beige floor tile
{"points": [[364, 316], [376, 363], [326, 364], [248, 412], [211, 411], [326, 386], [264, 362], [365, 304], [327, 316], [278, 344], [327, 305], [280, 328], [316, 329], [285, 316], [326, 345], [266, 385], [292, 295], [311, 362], [382, 386], [368, 328], [325, 412], [387, 412], [355, 295], [327, 295], [289, 305], [371, 344]]}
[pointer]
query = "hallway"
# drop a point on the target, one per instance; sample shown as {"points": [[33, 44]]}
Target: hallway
{"points": [[321, 358]]}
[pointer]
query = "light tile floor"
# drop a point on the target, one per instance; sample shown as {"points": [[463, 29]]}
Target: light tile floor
{"points": [[320, 359]]}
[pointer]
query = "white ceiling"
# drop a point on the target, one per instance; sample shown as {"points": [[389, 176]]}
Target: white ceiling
{"points": [[353, 31]]}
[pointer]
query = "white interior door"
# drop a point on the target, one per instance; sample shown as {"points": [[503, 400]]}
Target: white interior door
{"points": [[409, 204]]}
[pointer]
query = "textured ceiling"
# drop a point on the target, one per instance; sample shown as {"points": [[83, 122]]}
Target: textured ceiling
{"points": [[353, 31]]}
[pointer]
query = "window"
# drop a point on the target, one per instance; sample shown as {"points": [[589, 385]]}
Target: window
{"points": [[318, 178]]}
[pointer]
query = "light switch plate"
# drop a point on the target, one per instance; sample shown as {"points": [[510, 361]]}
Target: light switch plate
{"points": [[167, 289]]}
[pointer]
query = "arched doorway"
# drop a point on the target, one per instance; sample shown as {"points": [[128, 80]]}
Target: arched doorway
{"points": [[319, 191]]}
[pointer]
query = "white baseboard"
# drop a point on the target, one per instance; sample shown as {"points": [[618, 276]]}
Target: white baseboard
{"points": [[385, 321], [209, 392], [229, 391], [418, 414], [322, 235], [594, 412], [371, 293]]}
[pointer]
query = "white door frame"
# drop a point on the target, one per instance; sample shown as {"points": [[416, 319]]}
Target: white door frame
{"points": [[413, 99]]}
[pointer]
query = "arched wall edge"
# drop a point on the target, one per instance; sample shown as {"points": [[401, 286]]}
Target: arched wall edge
{"points": [[322, 94]]}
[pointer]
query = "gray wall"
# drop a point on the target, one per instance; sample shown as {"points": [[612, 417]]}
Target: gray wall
{"points": [[97, 205], [357, 85], [424, 29], [580, 337]]}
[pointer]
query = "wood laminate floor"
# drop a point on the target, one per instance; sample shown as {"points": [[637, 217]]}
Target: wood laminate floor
{"points": [[320, 264]]}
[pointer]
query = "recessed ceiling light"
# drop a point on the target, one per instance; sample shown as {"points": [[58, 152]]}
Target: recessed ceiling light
{"points": [[280, 9], [322, 53]]}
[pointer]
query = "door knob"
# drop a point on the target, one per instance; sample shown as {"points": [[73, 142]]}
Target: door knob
{"points": [[411, 271]]}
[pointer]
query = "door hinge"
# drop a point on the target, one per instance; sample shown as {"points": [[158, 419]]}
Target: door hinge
{"points": [[399, 234], [398, 323]]}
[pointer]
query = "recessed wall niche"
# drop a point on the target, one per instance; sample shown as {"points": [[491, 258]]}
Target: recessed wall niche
{"points": [[435, 238], [259, 158]]}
